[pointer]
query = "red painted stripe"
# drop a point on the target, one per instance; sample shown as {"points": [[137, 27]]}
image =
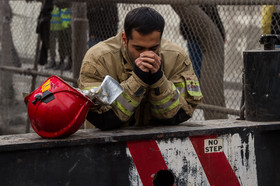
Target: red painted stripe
{"points": [[147, 159], [215, 165]]}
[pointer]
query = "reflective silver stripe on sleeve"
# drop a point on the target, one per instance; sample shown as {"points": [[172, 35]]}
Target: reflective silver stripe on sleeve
{"points": [[182, 90], [167, 104], [125, 104]]}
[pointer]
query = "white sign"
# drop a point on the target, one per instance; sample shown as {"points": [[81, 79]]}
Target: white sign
{"points": [[213, 145]]}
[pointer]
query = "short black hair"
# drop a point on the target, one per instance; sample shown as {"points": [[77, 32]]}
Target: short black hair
{"points": [[144, 20]]}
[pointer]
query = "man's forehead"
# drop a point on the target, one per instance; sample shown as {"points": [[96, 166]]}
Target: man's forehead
{"points": [[138, 34], [151, 39]]}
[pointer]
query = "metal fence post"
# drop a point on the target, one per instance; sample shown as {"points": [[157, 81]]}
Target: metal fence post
{"points": [[79, 36], [6, 84]]}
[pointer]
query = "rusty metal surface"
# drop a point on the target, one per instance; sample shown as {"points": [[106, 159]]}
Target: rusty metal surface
{"points": [[95, 136]]}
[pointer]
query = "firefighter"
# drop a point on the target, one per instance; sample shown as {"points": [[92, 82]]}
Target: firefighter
{"points": [[160, 86]]}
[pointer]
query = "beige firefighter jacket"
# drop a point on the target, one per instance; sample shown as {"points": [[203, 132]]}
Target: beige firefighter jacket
{"points": [[178, 87]]}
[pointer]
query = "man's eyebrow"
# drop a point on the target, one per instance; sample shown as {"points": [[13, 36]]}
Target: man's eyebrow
{"points": [[155, 46], [139, 46]]}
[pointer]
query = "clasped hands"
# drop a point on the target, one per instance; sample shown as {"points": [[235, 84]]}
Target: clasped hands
{"points": [[148, 61], [148, 67]]}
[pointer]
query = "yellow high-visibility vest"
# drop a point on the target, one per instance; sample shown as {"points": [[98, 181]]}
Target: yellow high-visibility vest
{"points": [[267, 12], [56, 21], [66, 17]]}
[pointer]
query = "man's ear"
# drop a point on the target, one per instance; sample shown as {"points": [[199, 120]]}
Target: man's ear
{"points": [[124, 39]]}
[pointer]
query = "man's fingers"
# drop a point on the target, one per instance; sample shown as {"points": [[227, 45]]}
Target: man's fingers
{"points": [[149, 60], [139, 63], [151, 63], [147, 65], [150, 54], [151, 68]]}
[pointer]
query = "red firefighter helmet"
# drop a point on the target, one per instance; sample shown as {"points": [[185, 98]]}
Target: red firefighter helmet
{"points": [[56, 109]]}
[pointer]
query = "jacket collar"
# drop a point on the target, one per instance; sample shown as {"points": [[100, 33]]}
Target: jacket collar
{"points": [[128, 65], [124, 51]]}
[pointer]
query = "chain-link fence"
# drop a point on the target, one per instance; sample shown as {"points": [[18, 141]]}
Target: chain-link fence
{"points": [[214, 35]]}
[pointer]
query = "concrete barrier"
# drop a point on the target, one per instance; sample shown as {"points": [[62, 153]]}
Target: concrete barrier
{"points": [[214, 152]]}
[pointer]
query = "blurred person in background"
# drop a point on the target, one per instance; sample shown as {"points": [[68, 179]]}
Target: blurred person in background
{"points": [[55, 36], [66, 39], [103, 21], [43, 29], [193, 41]]}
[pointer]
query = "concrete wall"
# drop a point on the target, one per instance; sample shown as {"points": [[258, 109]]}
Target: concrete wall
{"points": [[214, 152]]}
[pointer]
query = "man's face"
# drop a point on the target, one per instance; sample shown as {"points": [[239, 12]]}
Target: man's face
{"points": [[141, 43]]}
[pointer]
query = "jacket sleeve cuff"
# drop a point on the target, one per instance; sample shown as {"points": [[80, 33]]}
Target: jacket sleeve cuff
{"points": [[135, 87], [162, 83], [139, 81]]}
